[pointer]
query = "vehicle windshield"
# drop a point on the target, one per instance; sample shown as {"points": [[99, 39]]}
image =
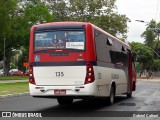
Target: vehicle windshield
{"points": [[59, 40]]}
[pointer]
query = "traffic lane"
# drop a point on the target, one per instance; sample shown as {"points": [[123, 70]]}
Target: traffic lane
{"points": [[28, 103], [148, 92], [144, 98], [145, 90]]}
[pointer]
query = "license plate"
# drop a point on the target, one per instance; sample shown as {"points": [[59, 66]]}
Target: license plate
{"points": [[59, 92]]}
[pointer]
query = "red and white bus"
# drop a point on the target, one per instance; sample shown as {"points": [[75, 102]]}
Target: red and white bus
{"points": [[70, 60]]}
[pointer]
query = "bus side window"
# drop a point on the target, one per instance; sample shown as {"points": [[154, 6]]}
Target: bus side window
{"points": [[109, 41], [123, 49]]}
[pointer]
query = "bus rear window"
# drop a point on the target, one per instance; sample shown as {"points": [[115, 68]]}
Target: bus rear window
{"points": [[45, 40]]}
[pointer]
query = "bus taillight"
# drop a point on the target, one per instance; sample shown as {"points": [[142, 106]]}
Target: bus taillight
{"points": [[31, 76], [89, 74]]}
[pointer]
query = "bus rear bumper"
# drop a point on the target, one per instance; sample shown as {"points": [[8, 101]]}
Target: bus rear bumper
{"points": [[51, 91]]}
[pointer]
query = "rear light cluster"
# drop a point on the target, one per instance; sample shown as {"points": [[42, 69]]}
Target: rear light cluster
{"points": [[31, 76], [89, 74]]}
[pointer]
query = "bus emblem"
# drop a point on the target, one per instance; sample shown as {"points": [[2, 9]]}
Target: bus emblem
{"points": [[37, 58]]}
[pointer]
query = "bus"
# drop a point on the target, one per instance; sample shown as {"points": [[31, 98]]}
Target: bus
{"points": [[78, 60]]}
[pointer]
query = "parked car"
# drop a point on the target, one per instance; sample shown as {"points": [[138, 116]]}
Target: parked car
{"points": [[13, 70], [26, 73], [17, 73], [1, 73]]}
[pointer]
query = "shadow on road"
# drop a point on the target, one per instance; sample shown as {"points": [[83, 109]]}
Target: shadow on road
{"points": [[88, 108], [88, 105]]}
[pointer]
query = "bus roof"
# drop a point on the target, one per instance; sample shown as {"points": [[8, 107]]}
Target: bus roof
{"points": [[61, 23]]}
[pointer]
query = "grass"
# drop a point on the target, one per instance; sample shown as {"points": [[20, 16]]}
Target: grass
{"points": [[14, 78], [13, 88]]}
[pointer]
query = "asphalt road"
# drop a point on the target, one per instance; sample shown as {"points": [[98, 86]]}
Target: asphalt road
{"points": [[146, 98]]}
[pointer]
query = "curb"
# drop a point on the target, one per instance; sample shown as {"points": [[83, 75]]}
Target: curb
{"points": [[149, 80], [12, 81], [14, 95]]}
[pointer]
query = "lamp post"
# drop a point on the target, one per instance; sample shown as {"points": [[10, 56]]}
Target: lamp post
{"points": [[141, 21], [157, 30]]}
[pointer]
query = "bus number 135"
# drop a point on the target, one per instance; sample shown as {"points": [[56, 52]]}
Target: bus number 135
{"points": [[59, 74]]}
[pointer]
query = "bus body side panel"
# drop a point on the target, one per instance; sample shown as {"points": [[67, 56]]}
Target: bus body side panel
{"points": [[105, 76], [112, 64], [120, 60]]}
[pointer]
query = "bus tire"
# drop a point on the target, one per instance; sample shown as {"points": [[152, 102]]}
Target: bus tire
{"points": [[129, 94], [112, 95], [64, 100]]}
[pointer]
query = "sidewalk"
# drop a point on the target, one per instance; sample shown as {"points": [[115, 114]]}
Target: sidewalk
{"points": [[12, 81], [151, 80]]}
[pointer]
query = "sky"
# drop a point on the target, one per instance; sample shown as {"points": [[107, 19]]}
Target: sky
{"points": [[145, 10]]}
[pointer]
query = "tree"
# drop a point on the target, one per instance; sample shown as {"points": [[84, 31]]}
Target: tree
{"points": [[59, 10], [32, 13], [7, 11], [99, 12], [152, 34], [145, 55], [16, 19], [16, 22], [115, 24], [156, 65], [149, 34]]}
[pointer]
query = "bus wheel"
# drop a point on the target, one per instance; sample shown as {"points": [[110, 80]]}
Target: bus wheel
{"points": [[112, 96], [129, 94], [64, 100]]}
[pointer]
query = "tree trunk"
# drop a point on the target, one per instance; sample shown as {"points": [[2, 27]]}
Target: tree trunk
{"points": [[7, 65]]}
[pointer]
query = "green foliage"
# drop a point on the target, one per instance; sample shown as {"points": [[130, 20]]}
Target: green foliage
{"points": [[144, 54], [156, 64], [99, 12], [151, 34], [114, 24], [16, 20], [36, 12], [7, 13]]}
